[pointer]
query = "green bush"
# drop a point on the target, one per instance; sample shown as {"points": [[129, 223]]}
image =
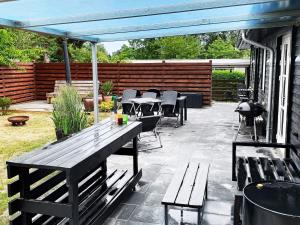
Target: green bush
{"points": [[5, 103], [106, 106], [227, 75], [68, 115]]}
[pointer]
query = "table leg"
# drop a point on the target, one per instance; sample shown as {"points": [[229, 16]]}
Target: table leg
{"points": [[24, 193], [73, 200], [233, 161], [181, 115], [135, 156], [185, 110], [166, 215]]}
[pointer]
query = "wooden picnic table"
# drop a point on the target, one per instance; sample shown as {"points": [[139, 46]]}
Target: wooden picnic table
{"points": [[68, 182]]}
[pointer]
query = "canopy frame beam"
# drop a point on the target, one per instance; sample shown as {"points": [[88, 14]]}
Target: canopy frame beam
{"points": [[95, 82]]}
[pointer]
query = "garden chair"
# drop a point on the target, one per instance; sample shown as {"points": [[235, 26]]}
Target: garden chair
{"points": [[146, 109], [168, 105], [149, 124], [128, 106]]}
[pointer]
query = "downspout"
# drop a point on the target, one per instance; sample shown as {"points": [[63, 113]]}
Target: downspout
{"points": [[271, 51]]}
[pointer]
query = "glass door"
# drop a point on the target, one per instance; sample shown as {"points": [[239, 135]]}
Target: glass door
{"points": [[283, 88]]}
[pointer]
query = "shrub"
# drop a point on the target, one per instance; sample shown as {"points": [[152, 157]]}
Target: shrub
{"points": [[68, 115], [107, 87], [5, 103], [227, 75], [106, 106]]}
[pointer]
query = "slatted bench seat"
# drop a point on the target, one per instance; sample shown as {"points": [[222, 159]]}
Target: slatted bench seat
{"points": [[188, 189], [249, 169], [83, 87]]}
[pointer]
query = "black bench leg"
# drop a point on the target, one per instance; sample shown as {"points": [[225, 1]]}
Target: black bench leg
{"points": [[199, 220], [166, 215]]}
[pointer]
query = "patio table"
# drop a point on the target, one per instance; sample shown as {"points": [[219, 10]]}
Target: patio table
{"points": [[68, 181], [181, 101]]}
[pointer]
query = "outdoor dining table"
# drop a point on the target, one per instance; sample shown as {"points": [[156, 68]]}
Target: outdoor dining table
{"points": [[69, 182], [181, 101]]}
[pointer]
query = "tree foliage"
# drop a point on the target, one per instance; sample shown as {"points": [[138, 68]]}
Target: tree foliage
{"points": [[204, 46], [21, 46]]}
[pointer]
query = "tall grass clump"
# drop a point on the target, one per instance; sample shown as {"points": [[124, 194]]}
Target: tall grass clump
{"points": [[68, 115]]}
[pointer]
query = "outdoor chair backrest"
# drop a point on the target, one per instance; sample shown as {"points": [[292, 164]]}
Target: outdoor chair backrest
{"points": [[149, 95], [169, 98], [155, 91], [128, 94], [149, 123]]}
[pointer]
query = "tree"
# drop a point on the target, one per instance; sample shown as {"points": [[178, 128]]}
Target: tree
{"points": [[221, 48], [13, 48], [180, 47]]}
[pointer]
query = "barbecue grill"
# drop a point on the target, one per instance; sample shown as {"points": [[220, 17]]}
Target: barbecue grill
{"points": [[248, 112]]}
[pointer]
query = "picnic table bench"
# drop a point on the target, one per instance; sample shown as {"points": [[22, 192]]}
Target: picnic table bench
{"points": [[68, 182], [188, 188], [83, 87]]}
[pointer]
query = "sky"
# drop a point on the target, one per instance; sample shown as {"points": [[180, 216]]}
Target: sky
{"points": [[113, 46]]}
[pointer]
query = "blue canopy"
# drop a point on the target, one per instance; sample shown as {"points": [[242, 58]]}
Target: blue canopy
{"points": [[115, 20]]}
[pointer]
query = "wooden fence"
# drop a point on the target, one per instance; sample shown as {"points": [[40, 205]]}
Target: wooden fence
{"points": [[32, 81], [225, 90], [18, 84], [183, 77]]}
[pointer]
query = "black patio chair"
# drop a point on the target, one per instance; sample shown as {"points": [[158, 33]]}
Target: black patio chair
{"points": [[127, 106], [155, 91], [149, 124], [168, 106], [156, 106], [146, 109]]}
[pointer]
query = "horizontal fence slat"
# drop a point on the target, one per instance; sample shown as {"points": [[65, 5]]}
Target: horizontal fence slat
{"points": [[33, 81]]}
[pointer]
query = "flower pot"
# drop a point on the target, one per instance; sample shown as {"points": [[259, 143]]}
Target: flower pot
{"points": [[107, 98], [88, 103]]}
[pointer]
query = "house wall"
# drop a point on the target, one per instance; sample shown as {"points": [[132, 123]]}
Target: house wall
{"points": [[294, 129], [271, 38]]}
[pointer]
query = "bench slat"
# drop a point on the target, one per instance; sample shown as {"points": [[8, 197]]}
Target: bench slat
{"points": [[175, 185], [185, 191], [198, 192]]}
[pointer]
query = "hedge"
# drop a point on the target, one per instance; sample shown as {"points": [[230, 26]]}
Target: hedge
{"points": [[228, 75]]}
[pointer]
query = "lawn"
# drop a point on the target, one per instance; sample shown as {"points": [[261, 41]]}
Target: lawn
{"points": [[16, 140]]}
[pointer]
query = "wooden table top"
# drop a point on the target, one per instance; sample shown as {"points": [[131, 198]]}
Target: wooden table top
{"points": [[102, 139]]}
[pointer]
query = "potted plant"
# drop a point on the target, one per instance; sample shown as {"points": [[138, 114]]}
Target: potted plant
{"points": [[88, 102], [5, 103], [67, 114], [106, 89]]}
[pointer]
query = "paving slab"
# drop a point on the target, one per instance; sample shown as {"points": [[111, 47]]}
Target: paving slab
{"points": [[206, 136]]}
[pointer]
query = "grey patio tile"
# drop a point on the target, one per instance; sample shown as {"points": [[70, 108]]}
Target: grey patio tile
{"points": [[148, 214], [218, 207], [142, 186], [123, 211], [214, 219], [161, 184], [220, 191], [135, 198], [153, 199]]}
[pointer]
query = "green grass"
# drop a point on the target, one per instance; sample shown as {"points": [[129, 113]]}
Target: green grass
{"points": [[14, 141], [17, 140]]}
